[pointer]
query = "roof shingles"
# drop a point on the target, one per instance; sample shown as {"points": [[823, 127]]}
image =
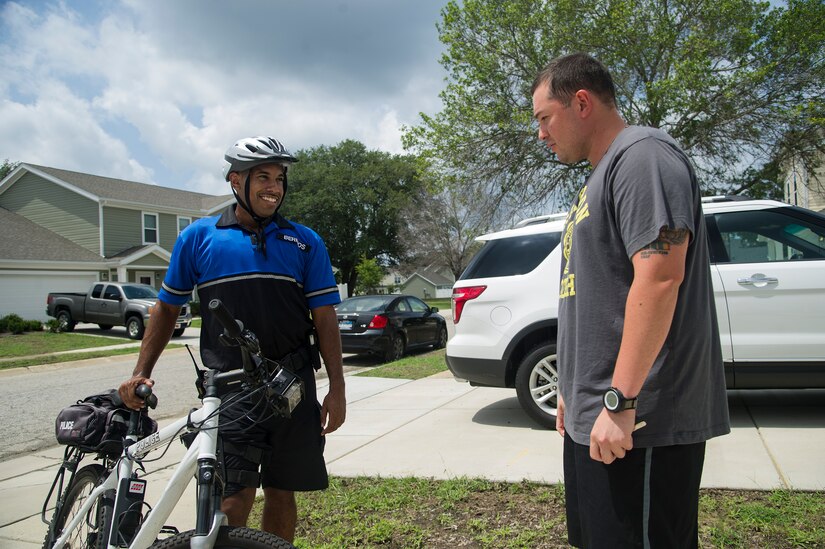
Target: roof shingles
{"points": [[139, 193], [24, 240]]}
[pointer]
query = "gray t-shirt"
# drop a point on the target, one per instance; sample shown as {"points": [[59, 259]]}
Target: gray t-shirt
{"points": [[643, 183]]}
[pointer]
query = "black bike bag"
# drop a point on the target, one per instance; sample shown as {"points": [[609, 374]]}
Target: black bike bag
{"points": [[98, 423]]}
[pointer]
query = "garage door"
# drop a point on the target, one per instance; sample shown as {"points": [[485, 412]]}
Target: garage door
{"points": [[25, 293]]}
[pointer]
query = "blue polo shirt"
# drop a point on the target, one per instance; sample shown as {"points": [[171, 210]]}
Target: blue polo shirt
{"points": [[271, 294]]}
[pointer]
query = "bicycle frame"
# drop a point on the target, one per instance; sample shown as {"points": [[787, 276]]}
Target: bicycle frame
{"points": [[201, 455], [202, 450]]}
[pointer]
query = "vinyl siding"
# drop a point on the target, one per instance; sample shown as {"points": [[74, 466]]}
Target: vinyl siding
{"points": [[56, 208], [150, 260], [416, 286], [168, 224], [121, 230]]}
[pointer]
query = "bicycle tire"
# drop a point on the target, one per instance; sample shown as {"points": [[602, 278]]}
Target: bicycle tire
{"points": [[91, 534], [229, 537]]}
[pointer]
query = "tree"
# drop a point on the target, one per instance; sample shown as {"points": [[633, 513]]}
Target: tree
{"points": [[7, 167], [370, 274], [442, 227], [354, 199], [731, 80]]}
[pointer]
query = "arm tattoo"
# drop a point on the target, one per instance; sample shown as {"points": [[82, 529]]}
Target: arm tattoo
{"points": [[667, 237]]}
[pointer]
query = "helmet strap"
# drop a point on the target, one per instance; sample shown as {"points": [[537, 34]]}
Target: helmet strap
{"points": [[260, 222]]}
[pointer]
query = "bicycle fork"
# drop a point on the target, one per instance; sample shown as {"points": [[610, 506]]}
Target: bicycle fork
{"points": [[209, 515], [200, 460]]}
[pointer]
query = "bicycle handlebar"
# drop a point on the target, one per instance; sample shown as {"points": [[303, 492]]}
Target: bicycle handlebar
{"points": [[145, 392], [230, 325]]}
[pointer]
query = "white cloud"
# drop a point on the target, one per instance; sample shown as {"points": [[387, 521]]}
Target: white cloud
{"points": [[156, 91]]}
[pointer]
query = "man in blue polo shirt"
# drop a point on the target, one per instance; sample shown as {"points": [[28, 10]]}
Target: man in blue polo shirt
{"points": [[274, 276]]}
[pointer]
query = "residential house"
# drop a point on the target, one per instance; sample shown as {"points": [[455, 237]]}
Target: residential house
{"points": [[429, 283], [805, 188], [391, 283], [64, 230]]}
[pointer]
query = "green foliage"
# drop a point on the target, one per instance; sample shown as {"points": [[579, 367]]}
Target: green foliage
{"points": [[354, 198], [6, 167], [370, 274], [738, 83], [53, 326], [15, 324]]}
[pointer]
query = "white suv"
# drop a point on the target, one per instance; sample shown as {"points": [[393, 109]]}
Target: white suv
{"points": [[768, 269]]}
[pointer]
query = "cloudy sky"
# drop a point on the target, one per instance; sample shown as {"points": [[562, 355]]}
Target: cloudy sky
{"points": [[156, 90]]}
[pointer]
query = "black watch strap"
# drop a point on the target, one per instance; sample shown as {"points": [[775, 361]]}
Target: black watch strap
{"points": [[615, 401]]}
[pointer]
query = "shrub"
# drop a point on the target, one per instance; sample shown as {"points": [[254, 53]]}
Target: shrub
{"points": [[9, 320], [15, 324], [34, 326], [53, 326]]}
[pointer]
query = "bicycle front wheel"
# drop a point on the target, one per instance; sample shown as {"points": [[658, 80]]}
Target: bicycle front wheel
{"points": [[229, 537], [91, 532]]}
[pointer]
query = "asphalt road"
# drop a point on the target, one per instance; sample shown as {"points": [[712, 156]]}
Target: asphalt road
{"points": [[32, 397]]}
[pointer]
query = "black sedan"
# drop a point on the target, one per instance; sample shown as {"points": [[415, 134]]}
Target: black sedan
{"points": [[389, 325]]}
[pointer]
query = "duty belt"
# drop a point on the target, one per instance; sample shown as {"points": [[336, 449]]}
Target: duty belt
{"points": [[295, 360]]}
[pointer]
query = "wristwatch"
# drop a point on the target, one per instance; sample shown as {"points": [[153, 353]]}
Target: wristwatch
{"points": [[615, 401]]}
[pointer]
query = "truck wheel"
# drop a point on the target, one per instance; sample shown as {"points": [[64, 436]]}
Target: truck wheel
{"points": [[178, 332], [65, 321], [105, 326], [537, 385], [134, 327]]}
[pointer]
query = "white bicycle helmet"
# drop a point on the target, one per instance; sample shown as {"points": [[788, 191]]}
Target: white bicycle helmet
{"points": [[249, 152], [244, 155]]}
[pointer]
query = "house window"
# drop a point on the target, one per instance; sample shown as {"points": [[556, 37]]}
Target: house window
{"points": [[398, 279], [150, 228], [183, 222]]}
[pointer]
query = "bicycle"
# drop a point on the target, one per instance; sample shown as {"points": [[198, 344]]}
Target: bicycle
{"points": [[102, 504]]}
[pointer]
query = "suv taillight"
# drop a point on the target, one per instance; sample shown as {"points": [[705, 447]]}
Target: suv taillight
{"points": [[378, 322], [462, 296]]}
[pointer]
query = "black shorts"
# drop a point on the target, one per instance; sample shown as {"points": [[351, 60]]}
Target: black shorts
{"points": [[649, 498], [290, 451]]}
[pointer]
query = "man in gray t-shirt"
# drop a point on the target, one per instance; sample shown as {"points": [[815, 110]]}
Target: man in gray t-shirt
{"points": [[641, 378]]}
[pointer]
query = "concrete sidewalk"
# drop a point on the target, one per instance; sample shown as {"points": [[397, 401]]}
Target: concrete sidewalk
{"points": [[436, 427]]}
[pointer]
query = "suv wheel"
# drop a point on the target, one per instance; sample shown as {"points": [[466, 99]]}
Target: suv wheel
{"points": [[537, 382]]}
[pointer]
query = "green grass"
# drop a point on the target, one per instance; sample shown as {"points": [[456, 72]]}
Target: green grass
{"points": [[71, 357], [410, 367], [414, 512], [196, 322], [14, 349], [35, 343], [442, 304]]}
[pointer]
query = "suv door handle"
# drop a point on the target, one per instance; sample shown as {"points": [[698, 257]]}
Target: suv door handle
{"points": [[757, 279]]}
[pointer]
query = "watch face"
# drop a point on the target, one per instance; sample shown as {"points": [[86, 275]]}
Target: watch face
{"points": [[611, 400]]}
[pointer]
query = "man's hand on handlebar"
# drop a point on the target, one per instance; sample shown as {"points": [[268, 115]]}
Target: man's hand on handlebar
{"points": [[127, 391]]}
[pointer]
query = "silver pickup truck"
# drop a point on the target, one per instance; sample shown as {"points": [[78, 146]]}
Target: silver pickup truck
{"points": [[111, 303]]}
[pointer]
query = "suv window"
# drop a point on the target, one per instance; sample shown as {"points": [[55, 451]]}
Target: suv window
{"points": [[765, 235], [511, 256]]}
